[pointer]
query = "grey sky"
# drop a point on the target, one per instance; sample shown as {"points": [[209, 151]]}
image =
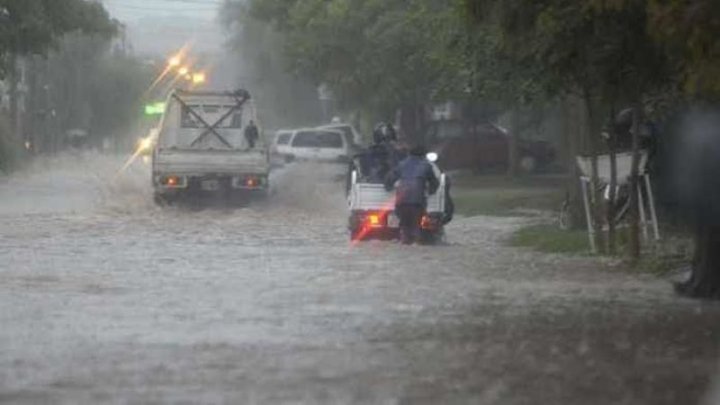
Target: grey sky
{"points": [[162, 26]]}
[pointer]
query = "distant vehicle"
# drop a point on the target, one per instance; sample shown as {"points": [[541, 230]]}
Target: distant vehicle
{"points": [[201, 148], [279, 148], [350, 132], [485, 147], [281, 143], [77, 139], [314, 144]]}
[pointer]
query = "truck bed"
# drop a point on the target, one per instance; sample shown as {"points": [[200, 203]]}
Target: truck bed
{"points": [[198, 162], [374, 197]]}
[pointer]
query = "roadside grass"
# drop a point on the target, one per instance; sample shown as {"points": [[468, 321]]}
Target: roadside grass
{"points": [[549, 238], [500, 196], [670, 254]]}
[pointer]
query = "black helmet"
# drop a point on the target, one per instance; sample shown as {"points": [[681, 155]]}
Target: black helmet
{"points": [[390, 133], [379, 133]]}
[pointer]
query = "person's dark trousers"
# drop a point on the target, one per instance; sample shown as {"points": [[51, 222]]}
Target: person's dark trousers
{"points": [[410, 216]]}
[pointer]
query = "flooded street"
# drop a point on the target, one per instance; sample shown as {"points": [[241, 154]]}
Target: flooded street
{"points": [[105, 297]]}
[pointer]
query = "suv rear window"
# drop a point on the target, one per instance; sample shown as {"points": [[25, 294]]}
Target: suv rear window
{"points": [[329, 140], [304, 140], [317, 139], [283, 139]]}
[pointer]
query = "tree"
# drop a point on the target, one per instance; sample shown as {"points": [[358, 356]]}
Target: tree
{"points": [[688, 30], [598, 49], [33, 26], [282, 97], [497, 78], [374, 55]]}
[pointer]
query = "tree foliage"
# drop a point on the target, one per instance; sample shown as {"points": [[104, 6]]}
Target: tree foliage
{"points": [[282, 97], [92, 86], [32, 26], [688, 32], [375, 55]]}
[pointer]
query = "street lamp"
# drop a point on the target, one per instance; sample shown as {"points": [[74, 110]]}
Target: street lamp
{"points": [[183, 71], [174, 61], [198, 78]]}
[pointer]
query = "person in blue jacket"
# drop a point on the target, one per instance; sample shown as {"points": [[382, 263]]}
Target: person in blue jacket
{"points": [[415, 179]]}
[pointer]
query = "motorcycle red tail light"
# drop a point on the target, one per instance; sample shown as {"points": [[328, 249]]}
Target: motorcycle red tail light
{"points": [[374, 219]]}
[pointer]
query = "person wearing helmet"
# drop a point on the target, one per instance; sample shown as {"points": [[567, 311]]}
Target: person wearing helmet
{"points": [[415, 179], [390, 133], [371, 164], [378, 133], [251, 134], [375, 162]]}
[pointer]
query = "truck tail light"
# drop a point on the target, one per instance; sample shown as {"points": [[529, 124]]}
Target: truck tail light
{"points": [[375, 220], [171, 181]]}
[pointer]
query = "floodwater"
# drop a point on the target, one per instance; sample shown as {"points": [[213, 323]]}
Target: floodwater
{"points": [[106, 298]]}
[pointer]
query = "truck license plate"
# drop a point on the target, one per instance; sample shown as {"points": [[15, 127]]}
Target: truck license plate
{"points": [[393, 221], [210, 185]]}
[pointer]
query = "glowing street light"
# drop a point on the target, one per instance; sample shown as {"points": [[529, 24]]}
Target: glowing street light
{"points": [[174, 61], [198, 78], [184, 71]]}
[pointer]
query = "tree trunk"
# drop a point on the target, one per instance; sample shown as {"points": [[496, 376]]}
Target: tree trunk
{"points": [[594, 178], [705, 279], [512, 169], [31, 118], [412, 123], [13, 79], [408, 123], [573, 132], [610, 210], [634, 237]]}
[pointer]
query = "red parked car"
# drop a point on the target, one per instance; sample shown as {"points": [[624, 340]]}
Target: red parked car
{"points": [[483, 147]]}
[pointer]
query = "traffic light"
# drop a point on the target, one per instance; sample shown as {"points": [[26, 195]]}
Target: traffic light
{"points": [[157, 108]]}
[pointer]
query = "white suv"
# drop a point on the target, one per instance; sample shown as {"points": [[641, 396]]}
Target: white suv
{"points": [[316, 144]]}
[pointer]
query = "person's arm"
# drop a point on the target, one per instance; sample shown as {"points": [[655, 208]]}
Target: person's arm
{"points": [[348, 178], [391, 178]]}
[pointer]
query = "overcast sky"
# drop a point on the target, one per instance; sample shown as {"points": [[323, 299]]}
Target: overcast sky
{"points": [[163, 26]]}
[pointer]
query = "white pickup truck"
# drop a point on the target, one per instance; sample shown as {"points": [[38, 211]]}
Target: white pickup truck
{"points": [[202, 149], [372, 212]]}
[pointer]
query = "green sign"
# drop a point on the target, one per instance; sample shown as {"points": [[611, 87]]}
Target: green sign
{"points": [[155, 108]]}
